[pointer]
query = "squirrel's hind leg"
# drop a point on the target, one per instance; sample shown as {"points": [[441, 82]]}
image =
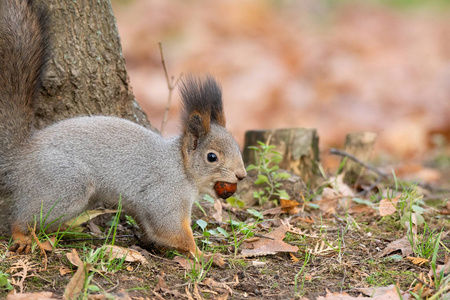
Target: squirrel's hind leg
{"points": [[63, 198]]}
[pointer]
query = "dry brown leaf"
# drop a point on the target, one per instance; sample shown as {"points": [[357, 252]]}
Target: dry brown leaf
{"points": [[388, 207], [385, 292], [120, 295], [186, 263], [218, 260], [402, 244], [64, 270], [377, 293], [290, 206], [309, 220], [196, 292], [31, 296], [48, 245], [129, 255], [425, 285], [293, 258], [329, 202], [271, 244], [22, 269], [188, 293], [76, 283], [74, 258], [218, 207], [217, 286], [161, 285], [273, 211], [445, 266], [417, 260]]}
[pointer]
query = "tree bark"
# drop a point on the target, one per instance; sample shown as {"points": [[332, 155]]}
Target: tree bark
{"points": [[86, 74]]}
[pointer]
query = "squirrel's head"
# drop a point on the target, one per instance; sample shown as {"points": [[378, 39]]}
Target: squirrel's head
{"points": [[210, 154]]}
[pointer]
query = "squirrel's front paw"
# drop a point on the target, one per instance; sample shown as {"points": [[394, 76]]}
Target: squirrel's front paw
{"points": [[21, 241], [20, 248]]}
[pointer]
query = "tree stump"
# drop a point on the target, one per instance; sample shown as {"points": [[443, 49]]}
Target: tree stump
{"points": [[298, 146], [360, 145]]}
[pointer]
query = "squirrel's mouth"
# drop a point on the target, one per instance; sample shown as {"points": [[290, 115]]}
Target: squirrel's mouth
{"points": [[225, 189]]}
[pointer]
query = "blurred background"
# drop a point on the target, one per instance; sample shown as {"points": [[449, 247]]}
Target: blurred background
{"points": [[338, 66]]}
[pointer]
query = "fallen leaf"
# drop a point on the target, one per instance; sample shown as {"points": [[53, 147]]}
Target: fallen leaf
{"points": [[88, 215], [402, 244], [161, 285], [445, 266], [258, 263], [196, 292], [218, 207], [218, 286], [64, 270], [377, 293], [74, 258], [417, 260], [76, 283], [186, 263], [119, 252], [293, 258], [290, 206], [31, 296], [329, 202], [270, 244], [385, 292], [388, 206]]}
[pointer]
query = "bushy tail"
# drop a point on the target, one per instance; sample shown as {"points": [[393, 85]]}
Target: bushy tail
{"points": [[24, 45]]}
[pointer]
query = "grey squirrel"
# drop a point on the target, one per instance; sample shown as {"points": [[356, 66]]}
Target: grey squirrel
{"points": [[77, 163]]}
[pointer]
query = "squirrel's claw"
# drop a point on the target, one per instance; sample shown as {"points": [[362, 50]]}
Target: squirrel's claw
{"points": [[20, 248]]}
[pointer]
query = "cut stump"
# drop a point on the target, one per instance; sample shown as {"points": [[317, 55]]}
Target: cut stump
{"points": [[298, 146], [360, 145]]}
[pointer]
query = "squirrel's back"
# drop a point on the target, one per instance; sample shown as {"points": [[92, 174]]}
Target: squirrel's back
{"points": [[24, 50]]}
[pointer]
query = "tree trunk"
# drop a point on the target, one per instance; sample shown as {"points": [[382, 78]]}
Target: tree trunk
{"points": [[86, 74]]}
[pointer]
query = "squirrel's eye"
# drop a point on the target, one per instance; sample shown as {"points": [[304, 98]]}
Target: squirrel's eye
{"points": [[212, 157]]}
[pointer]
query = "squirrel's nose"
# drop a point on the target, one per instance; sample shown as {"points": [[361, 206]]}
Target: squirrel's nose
{"points": [[241, 174]]}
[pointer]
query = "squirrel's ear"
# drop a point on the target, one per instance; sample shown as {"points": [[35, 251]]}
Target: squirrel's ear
{"points": [[197, 126]]}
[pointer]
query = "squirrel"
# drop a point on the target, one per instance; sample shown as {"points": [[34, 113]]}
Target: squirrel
{"points": [[75, 164]]}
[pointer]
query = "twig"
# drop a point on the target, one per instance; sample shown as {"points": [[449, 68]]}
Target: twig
{"points": [[98, 238], [33, 234], [355, 159], [170, 85], [384, 175]]}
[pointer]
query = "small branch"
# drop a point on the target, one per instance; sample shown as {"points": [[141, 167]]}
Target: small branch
{"points": [[170, 85], [98, 238], [382, 174], [355, 159]]}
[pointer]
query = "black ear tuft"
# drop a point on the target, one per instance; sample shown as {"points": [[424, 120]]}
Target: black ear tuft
{"points": [[202, 104]]}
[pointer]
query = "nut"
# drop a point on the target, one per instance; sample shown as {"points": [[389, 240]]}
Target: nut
{"points": [[225, 189]]}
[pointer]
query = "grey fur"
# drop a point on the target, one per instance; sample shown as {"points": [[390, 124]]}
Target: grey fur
{"points": [[80, 162]]}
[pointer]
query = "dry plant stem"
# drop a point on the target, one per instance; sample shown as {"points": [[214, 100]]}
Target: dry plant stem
{"points": [[33, 234], [170, 85]]}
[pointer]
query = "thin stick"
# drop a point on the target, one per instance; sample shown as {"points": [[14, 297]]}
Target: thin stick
{"points": [[170, 85], [382, 174], [355, 159]]}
